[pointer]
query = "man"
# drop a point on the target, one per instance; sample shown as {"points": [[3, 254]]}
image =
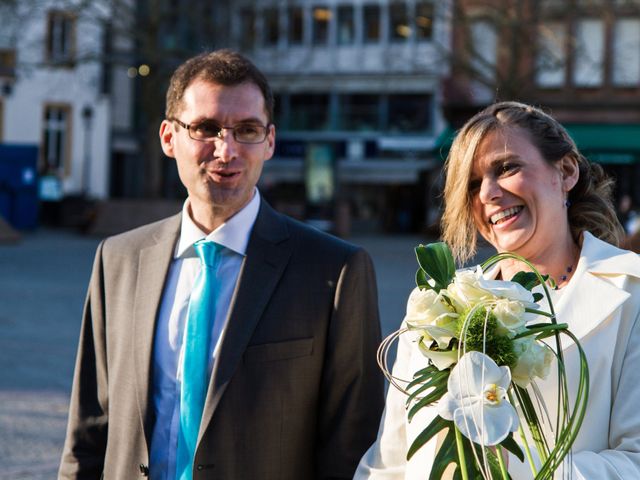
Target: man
{"points": [[292, 390]]}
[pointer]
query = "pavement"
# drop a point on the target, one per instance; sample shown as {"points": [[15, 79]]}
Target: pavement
{"points": [[43, 280]]}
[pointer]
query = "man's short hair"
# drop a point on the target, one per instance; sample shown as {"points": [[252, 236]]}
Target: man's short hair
{"points": [[224, 67]]}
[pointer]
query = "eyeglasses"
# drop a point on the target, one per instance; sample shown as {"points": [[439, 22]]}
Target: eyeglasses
{"points": [[208, 131]]}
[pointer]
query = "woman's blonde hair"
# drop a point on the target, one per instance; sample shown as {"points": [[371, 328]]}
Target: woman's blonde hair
{"points": [[591, 207]]}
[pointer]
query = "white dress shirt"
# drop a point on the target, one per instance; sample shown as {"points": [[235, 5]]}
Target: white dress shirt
{"points": [[172, 317]]}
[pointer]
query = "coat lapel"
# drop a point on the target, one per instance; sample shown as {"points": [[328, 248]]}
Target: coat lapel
{"points": [[153, 266], [599, 275], [267, 255]]}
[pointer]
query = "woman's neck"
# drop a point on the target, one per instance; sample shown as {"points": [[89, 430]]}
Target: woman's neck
{"points": [[559, 262]]}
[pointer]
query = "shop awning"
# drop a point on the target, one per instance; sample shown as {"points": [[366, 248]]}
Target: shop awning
{"points": [[602, 143], [607, 143]]}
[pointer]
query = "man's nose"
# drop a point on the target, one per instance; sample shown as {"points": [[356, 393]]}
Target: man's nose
{"points": [[225, 145]]}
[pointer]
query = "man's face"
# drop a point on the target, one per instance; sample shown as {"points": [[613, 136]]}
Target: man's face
{"points": [[219, 175]]}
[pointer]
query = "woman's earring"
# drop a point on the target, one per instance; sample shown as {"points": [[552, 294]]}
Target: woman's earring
{"points": [[567, 203]]}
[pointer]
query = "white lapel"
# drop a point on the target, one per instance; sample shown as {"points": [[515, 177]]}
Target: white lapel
{"points": [[596, 289]]}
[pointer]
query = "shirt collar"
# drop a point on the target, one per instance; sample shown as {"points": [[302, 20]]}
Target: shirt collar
{"points": [[233, 234]]}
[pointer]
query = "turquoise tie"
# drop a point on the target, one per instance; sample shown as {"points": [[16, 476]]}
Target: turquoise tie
{"points": [[195, 362]]}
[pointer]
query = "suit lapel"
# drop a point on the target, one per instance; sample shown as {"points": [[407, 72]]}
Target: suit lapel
{"points": [[267, 255], [153, 266]]}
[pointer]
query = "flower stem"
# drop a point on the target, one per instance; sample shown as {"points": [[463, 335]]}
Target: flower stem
{"points": [[525, 442], [461, 459], [503, 467]]}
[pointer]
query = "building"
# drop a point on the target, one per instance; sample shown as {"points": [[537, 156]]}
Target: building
{"points": [[358, 93], [52, 95], [578, 59]]}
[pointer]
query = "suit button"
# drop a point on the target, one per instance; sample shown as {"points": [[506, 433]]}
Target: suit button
{"points": [[144, 470], [199, 467]]}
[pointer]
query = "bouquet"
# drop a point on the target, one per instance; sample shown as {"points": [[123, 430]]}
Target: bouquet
{"points": [[486, 346]]}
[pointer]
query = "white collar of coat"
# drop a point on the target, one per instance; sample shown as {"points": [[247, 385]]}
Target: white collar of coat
{"points": [[597, 288]]}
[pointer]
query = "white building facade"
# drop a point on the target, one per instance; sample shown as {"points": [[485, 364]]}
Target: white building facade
{"points": [[53, 94], [363, 77]]}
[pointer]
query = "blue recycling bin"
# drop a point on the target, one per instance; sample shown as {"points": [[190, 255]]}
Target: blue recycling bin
{"points": [[19, 185]]}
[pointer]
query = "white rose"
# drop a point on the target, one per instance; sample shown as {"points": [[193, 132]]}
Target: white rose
{"points": [[534, 359], [510, 315], [428, 311], [465, 290]]}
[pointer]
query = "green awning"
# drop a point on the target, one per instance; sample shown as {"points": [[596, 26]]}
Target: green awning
{"points": [[602, 143], [443, 142], [607, 143]]}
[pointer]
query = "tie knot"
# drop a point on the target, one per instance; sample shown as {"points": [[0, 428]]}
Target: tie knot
{"points": [[207, 251]]}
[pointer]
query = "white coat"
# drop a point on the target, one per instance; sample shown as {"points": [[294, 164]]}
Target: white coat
{"points": [[601, 305]]}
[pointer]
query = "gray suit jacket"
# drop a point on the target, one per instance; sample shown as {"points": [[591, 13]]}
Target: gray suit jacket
{"points": [[295, 392]]}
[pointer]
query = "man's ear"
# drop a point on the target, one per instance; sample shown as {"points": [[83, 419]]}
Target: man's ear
{"points": [[166, 138], [570, 171], [270, 142]]}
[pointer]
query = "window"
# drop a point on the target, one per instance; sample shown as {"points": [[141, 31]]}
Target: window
{"points": [[7, 63], [485, 48], [346, 26], [371, 14], [271, 27], [61, 32], [321, 18], [588, 70], [247, 28], [409, 113], [626, 56], [424, 20], [309, 112], [399, 29], [296, 26], [360, 112], [552, 59], [56, 141]]}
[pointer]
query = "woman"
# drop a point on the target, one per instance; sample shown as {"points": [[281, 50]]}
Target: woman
{"points": [[515, 176]]}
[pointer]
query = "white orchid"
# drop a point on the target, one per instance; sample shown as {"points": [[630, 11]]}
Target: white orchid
{"points": [[476, 400]]}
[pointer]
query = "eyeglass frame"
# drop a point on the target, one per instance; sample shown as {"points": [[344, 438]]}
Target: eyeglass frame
{"points": [[188, 128]]}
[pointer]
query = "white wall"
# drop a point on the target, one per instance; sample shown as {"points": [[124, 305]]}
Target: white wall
{"points": [[37, 85]]}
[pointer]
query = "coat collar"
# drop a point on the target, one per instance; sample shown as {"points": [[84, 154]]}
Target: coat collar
{"points": [[602, 273], [268, 253]]}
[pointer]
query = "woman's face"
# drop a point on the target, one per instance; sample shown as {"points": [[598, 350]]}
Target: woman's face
{"points": [[518, 198]]}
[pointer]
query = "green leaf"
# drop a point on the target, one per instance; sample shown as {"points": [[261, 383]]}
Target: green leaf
{"points": [[510, 444], [446, 455], [433, 396], [428, 433], [426, 377], [429, 370], [422, 280], [527, 279], [537, 297], [437, 262], [437, 381]]}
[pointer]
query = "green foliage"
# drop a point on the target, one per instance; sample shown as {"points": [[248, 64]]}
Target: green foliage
{"points": [[527, 279], [436, 261], [486, 338]]}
